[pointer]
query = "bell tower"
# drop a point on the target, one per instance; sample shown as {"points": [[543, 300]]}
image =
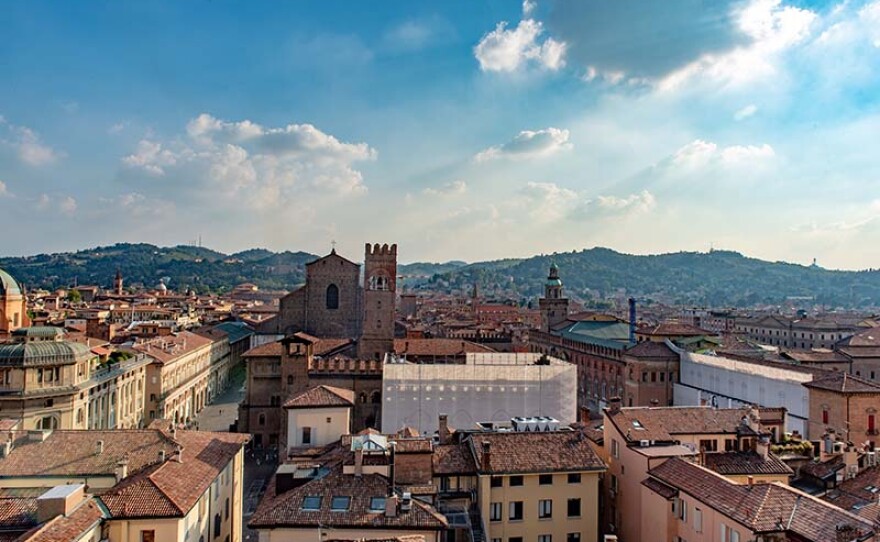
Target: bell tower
{"points": [[117, 282], [380, 291], [554, 304]]}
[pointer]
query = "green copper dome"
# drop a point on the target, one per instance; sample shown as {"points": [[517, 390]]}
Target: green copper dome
{"points": [[8, 286]]}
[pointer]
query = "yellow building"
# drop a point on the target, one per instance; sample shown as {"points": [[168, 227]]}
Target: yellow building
{"points": [[153, 485], [541, 486], [50, 383]]}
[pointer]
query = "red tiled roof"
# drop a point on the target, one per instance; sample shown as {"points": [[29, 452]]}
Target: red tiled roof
{"points": [[72, 527], [764, 508], [322, 347], [322, 396], [673, 329], [842, 382], [437, 347], [285, 510], [661, 423], [745, 463], [660, 488], [18, 512], [651, 349], [550, 451], [453, 459]]}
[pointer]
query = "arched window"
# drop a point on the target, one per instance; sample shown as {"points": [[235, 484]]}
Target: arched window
{"points": [[332, 297]]}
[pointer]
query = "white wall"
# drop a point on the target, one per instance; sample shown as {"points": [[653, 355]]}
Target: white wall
{"points": [[415, 395], [729, 383]]}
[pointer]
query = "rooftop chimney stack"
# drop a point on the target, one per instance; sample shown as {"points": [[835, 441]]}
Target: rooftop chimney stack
{"points": [[487, 455], [443, 430], [614, 405], [121, 470], [179, 453], [99, 449], [391, 506], [161, 456], [359, 462]]}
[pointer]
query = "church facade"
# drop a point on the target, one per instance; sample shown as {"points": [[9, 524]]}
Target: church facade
{"points": [[334, 303]]}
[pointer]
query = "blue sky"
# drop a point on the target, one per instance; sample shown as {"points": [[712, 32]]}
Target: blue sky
{"points": [[459, 130]]}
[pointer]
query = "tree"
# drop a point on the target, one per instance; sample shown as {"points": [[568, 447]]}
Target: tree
{"points": [[74, 296]]}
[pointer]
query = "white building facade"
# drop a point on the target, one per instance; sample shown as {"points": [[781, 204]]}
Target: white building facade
{"points": [[730, 383], [487, 387]]}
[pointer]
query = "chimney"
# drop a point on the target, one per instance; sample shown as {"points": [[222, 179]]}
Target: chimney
{"points": [[121, 470], [632, 320], [487, 456], [59, 501], [763, 447], [751, 480], [179, 453], [359, 462], [161, 456], [391, 507], [99, 449], [443, 430], [614, 405]]}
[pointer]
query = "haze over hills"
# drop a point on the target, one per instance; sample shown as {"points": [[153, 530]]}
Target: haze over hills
{"points": [[718, 278]]}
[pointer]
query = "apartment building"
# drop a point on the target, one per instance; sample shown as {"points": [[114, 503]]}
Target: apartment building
{"points": [[845, 405], [537, 486], [48, 382], [638, 439], [186, 371], [797, 333], [147, 485], [681, 501]]}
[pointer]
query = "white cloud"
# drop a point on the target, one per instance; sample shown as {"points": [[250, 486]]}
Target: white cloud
{"points": [[409, 36], [117, 128], [3, 190], [27, 144], [771, 28], [745, 112], [699, 153], [452, 188], [252, 164], [547, 202], [135, 205], [67, 205], [529, 144], [634, 203], [509, 50]]}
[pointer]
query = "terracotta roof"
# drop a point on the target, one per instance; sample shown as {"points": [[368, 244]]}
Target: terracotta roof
{"points": [[868, 337], [453, 459], [437, 347], [72, 527], [18, 512], [652, 349], [171, 347], [842, 382], [857, 492], [745, 463], [823, 469], [285, 510], [152, 489], [764, 508], [673, 329], [660, 488], [322, 396], [322, 347], [550, 451], [814, 356], [660, 424]]}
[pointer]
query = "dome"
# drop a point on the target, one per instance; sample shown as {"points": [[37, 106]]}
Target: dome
{"points": [[43, 353], [8, 286], [162, 287]]}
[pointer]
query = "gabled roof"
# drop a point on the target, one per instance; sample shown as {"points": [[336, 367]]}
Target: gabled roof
{"points": [[763, 508], [745, 463], [652, 349], [285, 510], [842, 382], [322, 397], [333, 257], [661, 423], [524, 452]]}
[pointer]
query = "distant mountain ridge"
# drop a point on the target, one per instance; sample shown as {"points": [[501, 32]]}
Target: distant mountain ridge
{"points": [[718, 278]]}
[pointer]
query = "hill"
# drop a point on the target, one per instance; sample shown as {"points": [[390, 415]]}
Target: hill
{"points": [[718, 278], [181, 267]]}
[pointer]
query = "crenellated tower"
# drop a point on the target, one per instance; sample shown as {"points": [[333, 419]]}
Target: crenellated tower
{"points": [[117, 283], [380, 291]]}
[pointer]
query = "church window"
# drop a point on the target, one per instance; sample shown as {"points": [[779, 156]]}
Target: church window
{"points": [[332, 297]]}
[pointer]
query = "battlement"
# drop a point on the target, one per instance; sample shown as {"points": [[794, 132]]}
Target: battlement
{"points": [[380, 250]]}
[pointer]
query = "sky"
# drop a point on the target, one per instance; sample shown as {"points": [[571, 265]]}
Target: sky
{"points": [[459, 129]]}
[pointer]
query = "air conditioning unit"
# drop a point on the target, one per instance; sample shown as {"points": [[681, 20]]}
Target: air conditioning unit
{"points": [[871, 459], [610, 538]]}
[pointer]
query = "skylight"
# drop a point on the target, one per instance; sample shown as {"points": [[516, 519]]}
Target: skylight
{"points": [[311, 502], [377, 504], [340, 504]]}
